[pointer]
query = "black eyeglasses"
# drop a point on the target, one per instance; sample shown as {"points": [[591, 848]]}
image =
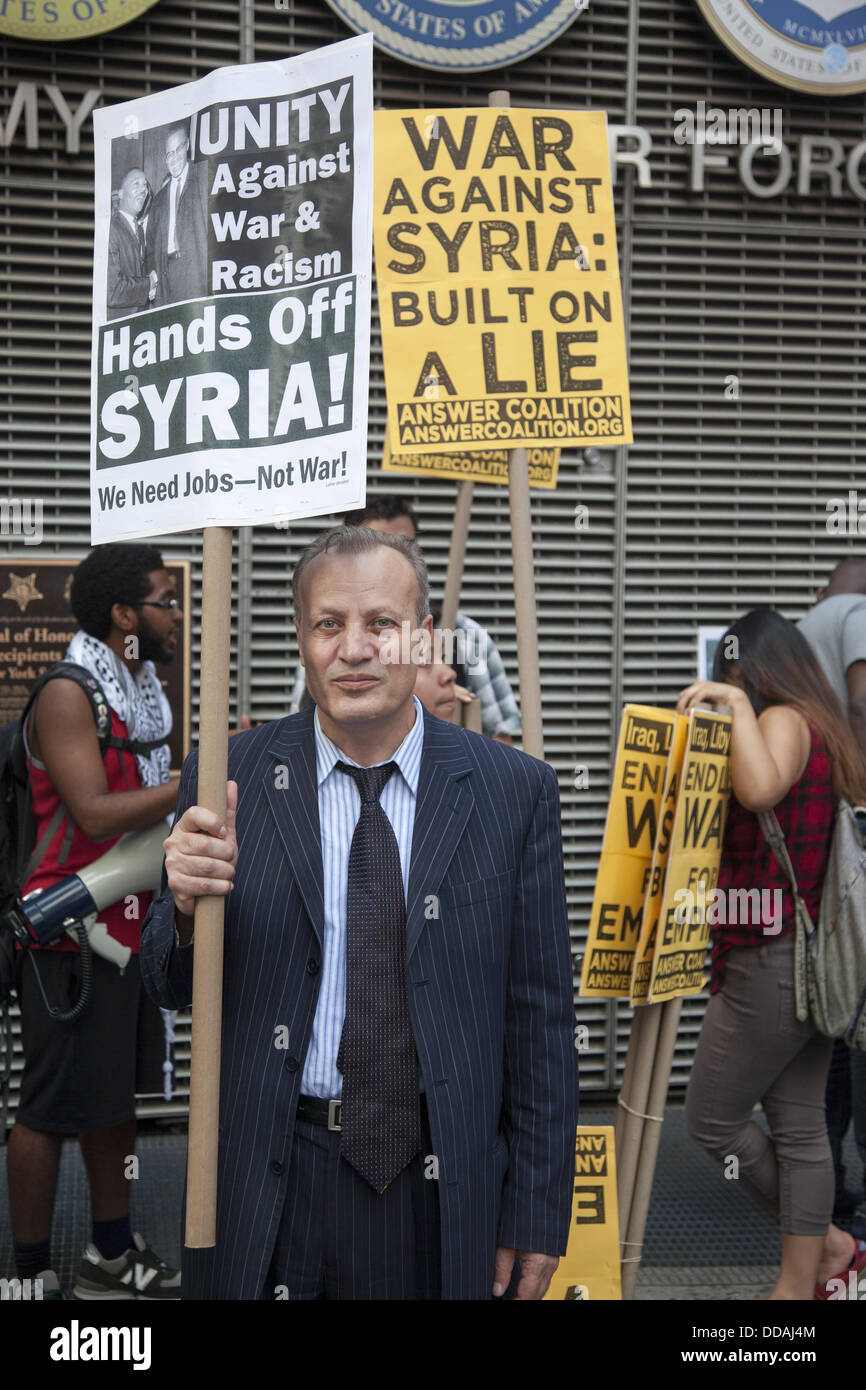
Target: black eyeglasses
{"points": [[157, 603]]}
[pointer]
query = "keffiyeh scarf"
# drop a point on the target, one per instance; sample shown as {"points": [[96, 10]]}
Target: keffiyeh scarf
{"points": [[138, 700]]}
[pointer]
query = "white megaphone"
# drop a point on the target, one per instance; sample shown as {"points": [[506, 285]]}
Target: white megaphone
{"points": [[133, 865]]}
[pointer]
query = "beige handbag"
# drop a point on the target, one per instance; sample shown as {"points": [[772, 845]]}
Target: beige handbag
{"points": [[830, 956]]}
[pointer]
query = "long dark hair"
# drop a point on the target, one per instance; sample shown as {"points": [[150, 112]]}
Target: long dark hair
{"points": [[778, 667], [458, 667]]}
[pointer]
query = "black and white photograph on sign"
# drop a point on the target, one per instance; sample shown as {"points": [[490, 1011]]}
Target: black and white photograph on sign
{"points": [[157, 250], [177, 234], [131, 285], [231, 299]]}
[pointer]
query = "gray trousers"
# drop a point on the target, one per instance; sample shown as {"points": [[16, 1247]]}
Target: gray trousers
{"points": [[752, 1049]]}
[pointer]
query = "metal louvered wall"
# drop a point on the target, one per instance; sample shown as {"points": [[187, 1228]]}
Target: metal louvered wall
{"points": [[719, 505]]}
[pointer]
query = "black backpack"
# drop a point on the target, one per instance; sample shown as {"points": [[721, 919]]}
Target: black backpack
{"points": [[18, 843], [17, 825]]}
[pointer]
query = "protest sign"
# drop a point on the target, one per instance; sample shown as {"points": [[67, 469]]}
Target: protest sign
{"points": [[233, 222], [643, 956], [695, 854], [499, 290], [485, 466], [589, 1269], [231, 305], [644, 745]]}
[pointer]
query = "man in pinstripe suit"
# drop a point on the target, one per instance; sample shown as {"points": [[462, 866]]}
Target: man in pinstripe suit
{"points": [[481, 1204]]}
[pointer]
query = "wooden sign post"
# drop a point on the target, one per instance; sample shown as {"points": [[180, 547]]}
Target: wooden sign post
{"points": [[454, 579], [651, 1132], [524, 603], [524, 576], [632, 1109], [204, 1089]]}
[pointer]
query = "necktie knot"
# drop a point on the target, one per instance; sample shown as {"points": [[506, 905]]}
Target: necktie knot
{"points": [[368, 780]]}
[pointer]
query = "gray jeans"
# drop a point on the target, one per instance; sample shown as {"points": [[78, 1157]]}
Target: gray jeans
{"points": [[753, 1049]]}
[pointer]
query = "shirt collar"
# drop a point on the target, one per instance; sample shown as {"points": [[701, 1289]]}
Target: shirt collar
{"points": [[407, 756]]}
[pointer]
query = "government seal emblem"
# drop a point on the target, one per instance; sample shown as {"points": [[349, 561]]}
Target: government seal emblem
{"points": [[59, 21], [460, 35], [814, 47]]}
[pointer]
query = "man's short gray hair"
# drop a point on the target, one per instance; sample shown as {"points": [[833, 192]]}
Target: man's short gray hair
{"points": [[358, 540]]}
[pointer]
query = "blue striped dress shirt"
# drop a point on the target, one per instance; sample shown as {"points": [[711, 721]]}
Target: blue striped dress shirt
{"points": [[339, 809]]}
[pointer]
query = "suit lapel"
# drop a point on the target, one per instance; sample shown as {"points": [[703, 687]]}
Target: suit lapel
{"points": [[294, 802], [127, 232], [443, 807]]}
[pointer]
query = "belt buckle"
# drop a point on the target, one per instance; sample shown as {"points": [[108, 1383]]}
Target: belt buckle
{"points": [[335, 1108]]}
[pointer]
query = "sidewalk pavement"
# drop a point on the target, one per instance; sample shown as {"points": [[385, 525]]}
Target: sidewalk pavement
{"points": [[707, 1239]]}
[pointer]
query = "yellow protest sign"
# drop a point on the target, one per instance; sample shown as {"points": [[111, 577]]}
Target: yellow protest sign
{"points": [[644, 745], [499, 291], [643, 956], [589, 1269], [485, 466], [695, 853]]}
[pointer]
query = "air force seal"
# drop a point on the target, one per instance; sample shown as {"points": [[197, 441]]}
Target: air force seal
{"points": [[819, 46], [460, 35]]}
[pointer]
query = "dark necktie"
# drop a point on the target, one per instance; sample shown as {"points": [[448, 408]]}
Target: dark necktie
{"points": [[140, 230], [380, 1114]]}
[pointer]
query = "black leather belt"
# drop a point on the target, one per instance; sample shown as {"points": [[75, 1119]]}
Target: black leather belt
{"points": [[327, 1112]]}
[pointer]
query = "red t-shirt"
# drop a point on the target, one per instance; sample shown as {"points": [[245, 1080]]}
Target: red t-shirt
{"points": [[123, 920]]}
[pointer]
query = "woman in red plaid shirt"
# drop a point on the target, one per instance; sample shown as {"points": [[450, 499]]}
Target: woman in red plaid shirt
{"points": [[793, 750]]}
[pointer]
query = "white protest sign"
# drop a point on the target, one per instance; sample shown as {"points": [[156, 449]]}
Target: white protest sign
{"points": [[231, 301]]}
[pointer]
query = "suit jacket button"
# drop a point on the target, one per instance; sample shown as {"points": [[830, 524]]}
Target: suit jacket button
{"points": [[312, 966], [291, 1064], [276, 1168]]}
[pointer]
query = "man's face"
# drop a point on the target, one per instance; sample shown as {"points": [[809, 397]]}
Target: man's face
{"points": [[133, 192], [159, 628], [397, 526], [176, 147], [352, 609]]}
